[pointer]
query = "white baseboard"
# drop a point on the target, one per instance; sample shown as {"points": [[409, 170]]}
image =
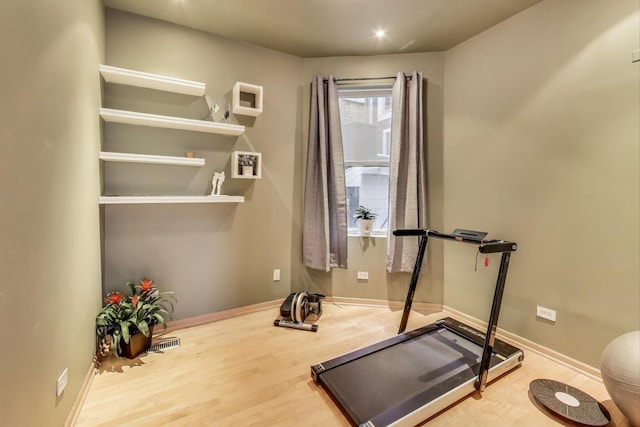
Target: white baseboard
{"points": [[213, 317], [394, 305], [518, 341], [72, 418]]}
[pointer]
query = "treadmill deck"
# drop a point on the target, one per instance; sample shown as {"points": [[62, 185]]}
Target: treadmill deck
{"points": [[410, 377]]}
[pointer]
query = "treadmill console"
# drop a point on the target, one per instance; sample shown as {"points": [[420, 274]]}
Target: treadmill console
{"points": [[469, 234], [495, 246]]}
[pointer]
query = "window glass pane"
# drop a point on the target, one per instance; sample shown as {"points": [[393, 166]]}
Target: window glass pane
{"points": [[368, 186], [366, 135]]}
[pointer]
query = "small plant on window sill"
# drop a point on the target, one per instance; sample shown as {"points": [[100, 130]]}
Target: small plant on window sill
{"points": [[365, 217], [365, 213]]}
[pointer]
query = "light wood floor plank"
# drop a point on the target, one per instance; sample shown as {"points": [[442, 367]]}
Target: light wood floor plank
{"points": [[242, 371]]}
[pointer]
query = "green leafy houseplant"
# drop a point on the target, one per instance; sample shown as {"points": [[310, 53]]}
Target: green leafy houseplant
{"points": [[365, 213], [125, 315], [365, 217]]}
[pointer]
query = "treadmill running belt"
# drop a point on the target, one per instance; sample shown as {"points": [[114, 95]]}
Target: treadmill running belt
{"points": [[427, 364]]}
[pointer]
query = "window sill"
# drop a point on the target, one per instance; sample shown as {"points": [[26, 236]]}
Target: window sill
{"points": [[378, 235]]}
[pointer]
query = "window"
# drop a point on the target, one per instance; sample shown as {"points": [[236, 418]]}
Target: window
{"points": [[365, 116], [385, 150]]}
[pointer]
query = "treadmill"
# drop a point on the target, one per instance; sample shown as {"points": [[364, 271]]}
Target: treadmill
{"points": [[406, 379]]}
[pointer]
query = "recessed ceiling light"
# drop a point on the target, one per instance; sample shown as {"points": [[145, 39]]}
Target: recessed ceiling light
{"points": [[380, 33]]}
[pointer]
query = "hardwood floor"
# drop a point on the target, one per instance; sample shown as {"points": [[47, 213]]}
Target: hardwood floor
{"points": [[243, 371]]}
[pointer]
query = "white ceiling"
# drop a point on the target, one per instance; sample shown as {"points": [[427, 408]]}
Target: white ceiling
{"points": [[320, 28]]}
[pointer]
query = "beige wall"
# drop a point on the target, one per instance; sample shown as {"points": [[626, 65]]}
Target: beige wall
{"points": [[49, 218], [214, 256], [369, 254], [541, 146]]}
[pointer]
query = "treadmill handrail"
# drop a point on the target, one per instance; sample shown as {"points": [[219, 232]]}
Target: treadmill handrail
{"points": [[485, 246]]}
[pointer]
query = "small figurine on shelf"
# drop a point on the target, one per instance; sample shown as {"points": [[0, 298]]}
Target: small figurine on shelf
{"points": [[247, 161], [227, 112], [213, 107], [219, 110], [216, 182]]}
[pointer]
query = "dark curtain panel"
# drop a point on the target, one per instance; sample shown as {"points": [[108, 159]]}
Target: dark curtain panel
{"points": [[325, 202], [407, 206]]}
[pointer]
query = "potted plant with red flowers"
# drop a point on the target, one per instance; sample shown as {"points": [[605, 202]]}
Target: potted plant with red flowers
{"points": [[125, 324]]}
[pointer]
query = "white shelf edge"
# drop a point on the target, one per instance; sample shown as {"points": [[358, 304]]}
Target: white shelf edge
{"points": [[155, 120], [246, 111], [125, 76], [109, 156], [133, 200]]}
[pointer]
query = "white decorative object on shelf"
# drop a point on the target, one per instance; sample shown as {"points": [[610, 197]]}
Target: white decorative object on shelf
{"points": [[247, 99], [155, 120], [124, 76], [148, 158], [133, 200], [246, 164], [219, 109], [216, 183]]}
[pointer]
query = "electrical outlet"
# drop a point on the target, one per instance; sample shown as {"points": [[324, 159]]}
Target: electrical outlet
{"points": [[546, 313], [276, 275], [363, 275], [62, 381]]}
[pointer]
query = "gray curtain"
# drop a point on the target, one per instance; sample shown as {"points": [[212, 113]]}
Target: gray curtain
{"points": [[406, 172], [325, 203]]}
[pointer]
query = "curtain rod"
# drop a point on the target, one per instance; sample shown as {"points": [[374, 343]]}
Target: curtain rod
{"points": [[353, 79]]}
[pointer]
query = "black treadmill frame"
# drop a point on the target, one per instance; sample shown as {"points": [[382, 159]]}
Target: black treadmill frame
{"points": [[485, 247], [493, 350]]}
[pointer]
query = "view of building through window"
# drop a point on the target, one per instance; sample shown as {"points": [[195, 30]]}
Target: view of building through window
{"points": [[365, 116]]}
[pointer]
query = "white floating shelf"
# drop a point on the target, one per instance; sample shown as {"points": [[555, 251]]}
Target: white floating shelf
{"points": [[247, 99], [124, 76], [148, 158], [133, 200], [155, 120]]}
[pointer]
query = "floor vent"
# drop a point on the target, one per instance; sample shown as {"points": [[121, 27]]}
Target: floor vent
{"points": [[165, 345]]}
